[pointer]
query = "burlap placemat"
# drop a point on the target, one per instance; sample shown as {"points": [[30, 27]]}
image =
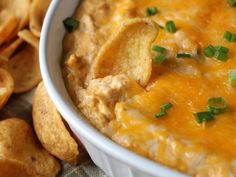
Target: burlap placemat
{"points": [[20, 106]]}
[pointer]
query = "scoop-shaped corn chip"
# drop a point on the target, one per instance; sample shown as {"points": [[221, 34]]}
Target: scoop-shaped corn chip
{"points": [[50, 128], [28, 37], [128, 51], [24, 68], [19, 144], [6, 86], [13, 168], [8, 24], [3, 61], [37, 13], [18, 10], [8, 49]]}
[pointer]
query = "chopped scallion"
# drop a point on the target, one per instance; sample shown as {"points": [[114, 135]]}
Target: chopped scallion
{"points": [[159, 49], [230, 36], [164, 109], [71, 24], [183, 55], [150, 11], [221, 53], [233, 39], [209, 51], [232, 3], [232, 77], [217, 105], [221, 49], [170, 27], [202, 117], [160, 114], [160, 58]]}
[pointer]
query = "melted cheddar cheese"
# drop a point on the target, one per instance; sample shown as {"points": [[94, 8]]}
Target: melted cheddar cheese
{"points": [[177, 139]]}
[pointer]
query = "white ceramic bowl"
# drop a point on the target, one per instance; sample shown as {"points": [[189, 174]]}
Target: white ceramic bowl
{"points": [[115, 160]]}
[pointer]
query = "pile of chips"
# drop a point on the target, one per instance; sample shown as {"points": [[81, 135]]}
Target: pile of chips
{"points": [[22, 154]]}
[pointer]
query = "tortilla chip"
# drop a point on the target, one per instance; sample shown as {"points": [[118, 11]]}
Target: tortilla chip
{"points": [[8, 50], [12, 168], [3, 61], [50, 128], [18, 143], [128, 52], [28, 37], [8, 24], [18, 9], [6, 87], [24, 68], [37, 14]]}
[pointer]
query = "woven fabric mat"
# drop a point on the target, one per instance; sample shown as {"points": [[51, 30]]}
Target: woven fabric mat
{"points": [[20, 106]]}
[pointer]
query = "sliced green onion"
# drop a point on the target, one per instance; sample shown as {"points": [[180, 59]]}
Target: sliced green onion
{"points": [[164, 109], [159, 49], [232, 3], [209, 51], [170, 27], [202, 117], [232, 77], [71, 24], [160, 114], [183, 55], [222, 56], [227, 35], [150, 11], [230, 36], [166, 106], [217, 105], [233, 39], [160, 58], [221, 49], [221, 53]]}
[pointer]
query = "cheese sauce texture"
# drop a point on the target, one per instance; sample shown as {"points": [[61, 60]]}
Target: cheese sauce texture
{"points": [[177, 139], [189, 83]]}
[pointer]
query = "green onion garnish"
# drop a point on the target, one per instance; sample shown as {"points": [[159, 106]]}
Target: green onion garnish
{"points": [[160, 58], [221, 49], [183, 55], [233, 39], [202, 117], [230, 36], [164, 109], [217, 105], [227, 36], [232, 77], [150, 11], [221, 53], [160, 114], [159, 49], [170, 27], [232, 3], [209, 51], [71, 24]]}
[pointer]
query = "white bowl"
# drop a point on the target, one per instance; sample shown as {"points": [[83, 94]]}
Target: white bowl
{"points": [[115, 160]]}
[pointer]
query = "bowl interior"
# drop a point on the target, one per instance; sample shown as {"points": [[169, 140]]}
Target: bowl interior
{"points": [[50, 63]]}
